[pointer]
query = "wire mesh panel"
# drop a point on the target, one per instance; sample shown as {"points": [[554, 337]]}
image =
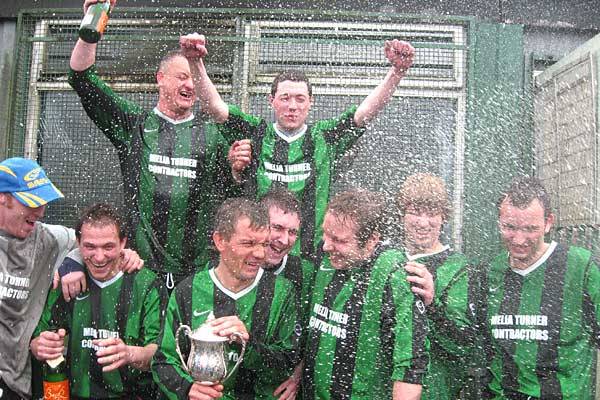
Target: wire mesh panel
{"points": [[422, 129]]}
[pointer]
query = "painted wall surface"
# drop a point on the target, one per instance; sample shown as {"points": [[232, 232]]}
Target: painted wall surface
{"points": [[498, 141]]}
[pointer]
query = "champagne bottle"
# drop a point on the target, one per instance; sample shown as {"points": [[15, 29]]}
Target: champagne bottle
{"points": [[56, 381], [94, 22]]}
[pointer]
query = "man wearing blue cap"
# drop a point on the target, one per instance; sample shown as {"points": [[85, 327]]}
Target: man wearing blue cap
{"points": [[29, 252]]}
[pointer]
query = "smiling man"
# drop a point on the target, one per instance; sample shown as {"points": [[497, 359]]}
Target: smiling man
{"points": [[424, 209], [30, 252], [113, 328], [245, 299], [172, 162], [367, 330], [284, 220], [543, 303], [288, 152]]}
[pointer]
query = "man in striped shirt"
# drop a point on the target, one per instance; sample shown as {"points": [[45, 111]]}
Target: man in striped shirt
{"points": [[367, 335], [245, 299], [543, 305]]}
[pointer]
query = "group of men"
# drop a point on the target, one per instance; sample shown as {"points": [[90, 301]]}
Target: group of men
{"points": [[233, 220]]}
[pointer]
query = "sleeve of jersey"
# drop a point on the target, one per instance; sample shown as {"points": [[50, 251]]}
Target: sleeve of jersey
{"points": [[238, 125], [410, 357], [167, 372], [54, 315], [340, 133], [280, 351], [591, 303], [112, 114], [452, 321], [153, 302], [65, 237]]}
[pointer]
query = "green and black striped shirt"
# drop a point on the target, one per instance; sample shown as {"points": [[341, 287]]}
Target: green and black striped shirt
{"points": [[268, 309], [129, 306], [544, 325], [366, 330], [304, 164], [452, 322]]}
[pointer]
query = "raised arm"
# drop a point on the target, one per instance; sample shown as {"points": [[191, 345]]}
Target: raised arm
{"points": [[83, 55], [401, 55], [193, 47]]}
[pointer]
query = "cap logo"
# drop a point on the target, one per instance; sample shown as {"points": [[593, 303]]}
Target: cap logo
{"points": [[38, 182], [7, 170], [33, 174]]}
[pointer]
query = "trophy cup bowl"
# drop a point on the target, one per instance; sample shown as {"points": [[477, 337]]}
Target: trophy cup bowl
{"points": [[206, 362]]}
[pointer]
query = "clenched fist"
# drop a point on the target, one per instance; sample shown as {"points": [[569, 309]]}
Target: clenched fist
{"points": [[193, 46], [400, 53]]}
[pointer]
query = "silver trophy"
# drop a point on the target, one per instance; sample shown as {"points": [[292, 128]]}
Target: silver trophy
{"points": [[206, 362]]}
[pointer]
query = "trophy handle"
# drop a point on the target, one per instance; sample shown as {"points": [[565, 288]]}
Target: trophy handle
{"points": [[187, 330], [241, 357]]}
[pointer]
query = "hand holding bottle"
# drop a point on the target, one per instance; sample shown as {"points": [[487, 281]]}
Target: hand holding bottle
{"points": [[95, 19], [49, 345]]}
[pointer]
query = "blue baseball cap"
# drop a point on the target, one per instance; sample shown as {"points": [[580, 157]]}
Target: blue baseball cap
{"points": [[27, 182]]}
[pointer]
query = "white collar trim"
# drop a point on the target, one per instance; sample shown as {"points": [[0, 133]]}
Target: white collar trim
{"points": [[171, 120], [228, 292], [423, 255], [109, 282], [535, 265], [282, 266], [292, 138]]}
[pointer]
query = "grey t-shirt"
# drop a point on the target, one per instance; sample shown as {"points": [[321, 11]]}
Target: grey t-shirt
{"points": [[26, 270]]}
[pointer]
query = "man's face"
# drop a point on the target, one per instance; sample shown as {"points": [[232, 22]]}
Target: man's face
{"points": [[284, 231], [422, 229], [340, 242], [244, 252], [17, 219], [176, 89], [523, 230], [100, 248], [291, 104]]}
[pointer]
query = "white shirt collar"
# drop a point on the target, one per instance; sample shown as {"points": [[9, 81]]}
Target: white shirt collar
{"points": [[282, 266], [171, 120], [535, 265], [291, 138], [423, 255], [109, 282], [233, 295]]}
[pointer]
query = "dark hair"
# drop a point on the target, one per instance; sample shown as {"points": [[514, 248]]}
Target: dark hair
{"points": [[283, 199], [523, 190], [101, 214], [362, 207], [424, 192], [232, 210], [168, 57], [290, 75]]}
